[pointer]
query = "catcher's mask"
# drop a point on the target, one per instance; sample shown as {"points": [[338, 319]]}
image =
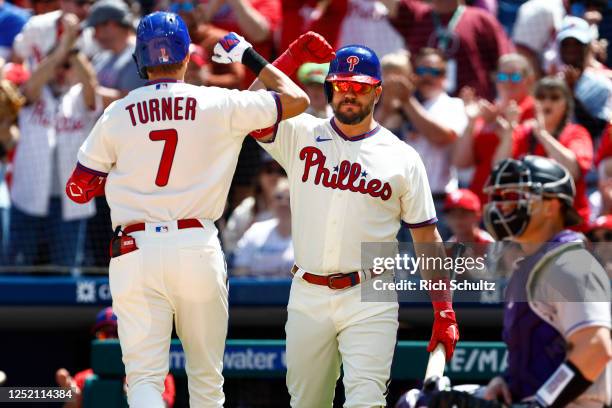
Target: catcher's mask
{"points": [[513, 187]]}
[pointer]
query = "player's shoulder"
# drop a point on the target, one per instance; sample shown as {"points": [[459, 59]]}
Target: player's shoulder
{"points": [[573, 273]]}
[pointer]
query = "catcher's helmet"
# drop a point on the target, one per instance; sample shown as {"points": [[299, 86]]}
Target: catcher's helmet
{"points": [[515, 183], [355, 63], [161, 39]]}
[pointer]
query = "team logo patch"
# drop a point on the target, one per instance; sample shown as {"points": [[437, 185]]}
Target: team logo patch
{"points": [[352, 61], [161, 228], [229, 41], [164, 57]]}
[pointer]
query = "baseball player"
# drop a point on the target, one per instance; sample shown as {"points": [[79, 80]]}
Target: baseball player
{"points": [[352, 181], [557, 310], [164, 157]]}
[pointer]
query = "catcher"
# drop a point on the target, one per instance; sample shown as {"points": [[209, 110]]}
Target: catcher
{"points": [[557, 310]]}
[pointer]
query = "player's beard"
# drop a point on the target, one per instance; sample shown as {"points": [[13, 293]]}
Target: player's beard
{"points": [[354, 117]]}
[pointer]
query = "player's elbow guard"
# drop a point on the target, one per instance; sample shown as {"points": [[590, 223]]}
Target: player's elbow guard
{"points": [[85, 184]]}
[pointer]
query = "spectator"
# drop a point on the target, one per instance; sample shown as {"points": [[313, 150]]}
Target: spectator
{"points": [[600, 201], [535, 29], [12, 20], [366, 22], [321, 16], [514, 81], [471, 39], [266, 248], [389, 111], [42, 32], [253, 208], [312, 77], [105, 328], [256, 20], [436, 121], [61, 109], [113, 30], [463, 210], [600, 234], [11, 102], [592, 91], [552, 135]]}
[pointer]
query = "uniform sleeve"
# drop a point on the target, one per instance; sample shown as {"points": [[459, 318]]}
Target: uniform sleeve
{"points": [[578, 290], [417, 206], [250, 110], [533, 27], [283, 146], [97, 152]]}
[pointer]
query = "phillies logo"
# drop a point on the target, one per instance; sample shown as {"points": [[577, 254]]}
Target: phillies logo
{"points": [[346, 176], [352, 61], [164, 55]]}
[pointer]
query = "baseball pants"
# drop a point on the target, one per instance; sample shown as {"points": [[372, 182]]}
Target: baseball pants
{"points": [[328, 328], [175, 274]]}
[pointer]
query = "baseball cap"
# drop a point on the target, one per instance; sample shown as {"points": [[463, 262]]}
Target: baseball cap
{"points": [[109, 10], [311, 73], [464, 199], [575, 27], [105, 318]]}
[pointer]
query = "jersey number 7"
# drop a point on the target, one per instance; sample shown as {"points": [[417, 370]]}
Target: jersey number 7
{"points": [[170, 139]]}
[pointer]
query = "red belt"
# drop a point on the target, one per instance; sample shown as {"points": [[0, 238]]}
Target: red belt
{"points": [[180, 224], [334, 281]]}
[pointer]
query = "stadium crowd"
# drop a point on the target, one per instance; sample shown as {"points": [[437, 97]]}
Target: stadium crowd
{"points": [[464, 88]]}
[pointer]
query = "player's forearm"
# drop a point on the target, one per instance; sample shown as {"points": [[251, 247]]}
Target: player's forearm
{"points": [[434, 131], [590, 351], [292, 98], [252, 23], [428, 243]]}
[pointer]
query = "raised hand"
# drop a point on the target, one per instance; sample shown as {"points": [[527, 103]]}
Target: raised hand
{"points": [[311, 47], [230, 49]]}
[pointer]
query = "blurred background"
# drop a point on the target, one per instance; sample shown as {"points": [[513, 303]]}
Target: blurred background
{"points": [[466, 83]]}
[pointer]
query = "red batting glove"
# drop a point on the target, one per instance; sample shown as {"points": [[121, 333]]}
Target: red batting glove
{"points": [[445, 329], [309, 47]]}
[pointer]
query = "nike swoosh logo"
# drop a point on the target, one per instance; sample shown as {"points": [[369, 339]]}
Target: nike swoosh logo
{"points": [[321, 140]]}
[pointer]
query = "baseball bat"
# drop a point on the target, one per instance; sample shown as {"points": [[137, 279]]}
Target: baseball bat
{"points": [[436, 362]]}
